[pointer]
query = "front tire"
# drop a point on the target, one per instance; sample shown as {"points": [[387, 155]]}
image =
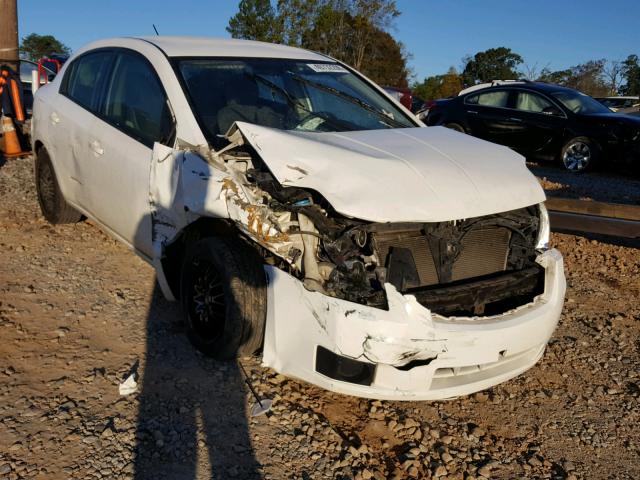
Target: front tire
{"points": [[579, 154], [224, 297], [52, 203]]}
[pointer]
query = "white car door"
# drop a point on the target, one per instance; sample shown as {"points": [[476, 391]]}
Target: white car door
{"points": [[134, 114], [70, 117]]}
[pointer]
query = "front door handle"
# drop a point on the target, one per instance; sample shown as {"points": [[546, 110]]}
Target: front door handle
{"points": [[472, 111], [96, 147], [514, 119], [55, 119]]}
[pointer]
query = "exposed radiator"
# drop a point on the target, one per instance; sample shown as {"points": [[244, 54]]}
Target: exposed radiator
{"points": [[484, 251]]}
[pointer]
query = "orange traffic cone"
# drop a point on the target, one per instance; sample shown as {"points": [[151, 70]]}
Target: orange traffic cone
{"points": [[11, 143]]}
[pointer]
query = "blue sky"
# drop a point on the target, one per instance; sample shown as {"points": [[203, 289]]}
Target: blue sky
{"points": [[437, 33]]}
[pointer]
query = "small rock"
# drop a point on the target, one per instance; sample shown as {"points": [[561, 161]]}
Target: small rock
{"points": [[485, 471], [534, 461], [411, 423], [481, 397], [441, 471]]}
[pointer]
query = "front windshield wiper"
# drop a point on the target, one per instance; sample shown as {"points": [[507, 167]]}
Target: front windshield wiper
{"points": [[351, 99], [295, 103]]}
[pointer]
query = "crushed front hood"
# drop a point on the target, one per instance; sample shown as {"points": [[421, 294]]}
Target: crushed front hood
{"points": [[399, 175]]}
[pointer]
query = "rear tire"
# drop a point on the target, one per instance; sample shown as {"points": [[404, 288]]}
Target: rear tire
{"points": [[224, 297], [580, 154], [455, 126], [52, 203]]}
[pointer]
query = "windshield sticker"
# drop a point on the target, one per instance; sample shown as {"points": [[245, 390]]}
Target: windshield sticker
{"points": [[327, 68]]}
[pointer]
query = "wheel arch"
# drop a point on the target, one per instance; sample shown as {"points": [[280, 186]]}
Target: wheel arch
{"points": [[173, 253], [37, 146]]}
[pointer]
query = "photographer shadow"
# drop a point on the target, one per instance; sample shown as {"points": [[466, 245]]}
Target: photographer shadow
{"points": [[193, 413], [192, 419]]}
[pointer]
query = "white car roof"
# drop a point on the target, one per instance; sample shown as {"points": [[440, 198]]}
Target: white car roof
{"points": [[493, 83], [227, 47]]}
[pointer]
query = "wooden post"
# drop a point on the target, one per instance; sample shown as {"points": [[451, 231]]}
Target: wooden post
{"points": [[9, 33]]}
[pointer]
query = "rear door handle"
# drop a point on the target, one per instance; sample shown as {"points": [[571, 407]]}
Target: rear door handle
{"points": [[55, 119], [472, 111], [96, 147]]}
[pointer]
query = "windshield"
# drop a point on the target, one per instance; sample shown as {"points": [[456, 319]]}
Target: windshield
{"points": [[284, 94], [578, 102]]}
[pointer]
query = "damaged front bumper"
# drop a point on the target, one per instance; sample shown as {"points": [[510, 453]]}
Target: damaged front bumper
{"points": [[405, 352]]}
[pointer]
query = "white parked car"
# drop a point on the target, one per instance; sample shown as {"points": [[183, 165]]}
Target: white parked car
{"points": [[295, 209]]}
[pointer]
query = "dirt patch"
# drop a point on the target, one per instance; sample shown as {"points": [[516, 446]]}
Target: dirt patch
{"points": [[79, 312]]}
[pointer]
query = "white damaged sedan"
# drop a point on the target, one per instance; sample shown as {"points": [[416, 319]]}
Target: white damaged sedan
{"points": [[295, 209]]}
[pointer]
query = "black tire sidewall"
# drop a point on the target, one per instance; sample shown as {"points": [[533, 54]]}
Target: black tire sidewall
{"points": [[237, 336], [42, 163]]}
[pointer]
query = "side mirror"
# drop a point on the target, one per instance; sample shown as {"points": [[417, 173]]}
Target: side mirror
{"points": [[551, 110]]}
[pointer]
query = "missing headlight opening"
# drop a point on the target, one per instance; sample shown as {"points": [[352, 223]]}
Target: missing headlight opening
{"points": [[466, 267]]}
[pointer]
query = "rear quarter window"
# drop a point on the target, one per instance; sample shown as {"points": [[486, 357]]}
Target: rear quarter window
{"points": [[498, 99]]}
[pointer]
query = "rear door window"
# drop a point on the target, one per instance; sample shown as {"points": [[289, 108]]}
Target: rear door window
{"points": [[499, 99], [135, 101], [84, 78]]}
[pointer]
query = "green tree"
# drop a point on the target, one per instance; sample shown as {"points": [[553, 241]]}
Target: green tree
{"points": [[353, 31], [493, 64], [586, 77], [386, 61], [631, 75], [345, 29], [332, 30], [439, 86], [369, 18], [559, 77], [255, 20], [35, 46], [427, 89], [296, 18]]}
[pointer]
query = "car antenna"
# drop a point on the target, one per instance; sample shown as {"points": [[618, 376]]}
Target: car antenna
{"points": [[154, 27], [263, 405]]}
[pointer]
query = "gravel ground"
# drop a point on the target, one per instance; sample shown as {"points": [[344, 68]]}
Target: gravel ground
{"points": [[78, 313], [599, 186]]}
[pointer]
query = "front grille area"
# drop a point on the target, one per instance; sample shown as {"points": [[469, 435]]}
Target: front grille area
{"points": [[475, 266], [482, 252]]}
